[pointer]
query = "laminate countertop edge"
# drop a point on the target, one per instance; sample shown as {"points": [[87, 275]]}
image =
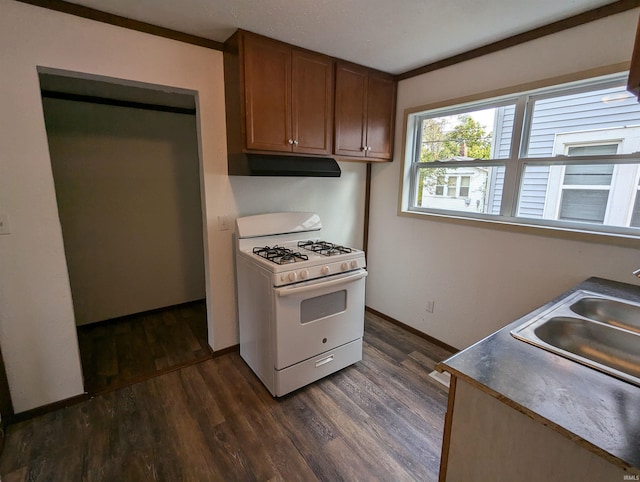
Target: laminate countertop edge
{"points": [[576, 401]]}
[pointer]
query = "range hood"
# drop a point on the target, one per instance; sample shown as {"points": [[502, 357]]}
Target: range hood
{"points": [[275, 165]]}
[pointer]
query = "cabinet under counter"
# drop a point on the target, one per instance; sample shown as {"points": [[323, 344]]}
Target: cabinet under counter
{"points": [[520, 412]]}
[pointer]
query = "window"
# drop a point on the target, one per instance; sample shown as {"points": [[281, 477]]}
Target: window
{"points": [[440, 186], [566, 157], [457, 186]]}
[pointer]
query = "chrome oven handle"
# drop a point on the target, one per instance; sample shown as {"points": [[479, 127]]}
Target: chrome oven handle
{"points": [[321, 284]]}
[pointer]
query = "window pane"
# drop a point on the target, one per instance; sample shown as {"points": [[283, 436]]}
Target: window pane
{"points": [[588, 175], [451, 186], [467, 136], [476, 196], [533, 191], [465, 181], [586, 193], [584, 205], [582, 117], [594, 150]]}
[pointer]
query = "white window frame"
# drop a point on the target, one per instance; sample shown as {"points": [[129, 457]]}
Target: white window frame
{"points": [[517, 161], [556, 186]]}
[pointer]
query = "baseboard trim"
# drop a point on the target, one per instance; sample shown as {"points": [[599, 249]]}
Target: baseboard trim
{"points": [[412, 330], [50, 407], [118, 319], [225, 351]]}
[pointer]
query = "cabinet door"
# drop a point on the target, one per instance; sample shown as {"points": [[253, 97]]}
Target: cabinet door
{"points": [[350, 110], [381, 109], [311, 102], [267, 79]]}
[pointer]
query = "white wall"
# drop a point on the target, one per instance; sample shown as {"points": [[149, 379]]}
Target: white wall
{"points": [[37, 329], [128, 194], [480, 278]]}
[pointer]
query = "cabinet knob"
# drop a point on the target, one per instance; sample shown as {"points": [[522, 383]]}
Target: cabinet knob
{"points": [[363, 148], [290, 141], [295, 142]]}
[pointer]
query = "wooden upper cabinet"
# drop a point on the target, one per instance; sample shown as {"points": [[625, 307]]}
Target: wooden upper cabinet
{"points": [[364, 113], [381, 113], [311, 102], [267, 87], [278, 98], [351, 110]]}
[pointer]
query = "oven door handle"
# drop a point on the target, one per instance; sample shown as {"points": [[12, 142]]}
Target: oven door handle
{"points": [[321, 284]]}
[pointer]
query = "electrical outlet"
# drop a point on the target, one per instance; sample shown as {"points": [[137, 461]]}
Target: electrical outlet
{"points": [[430, 306], [223, 223], [4, 224]]}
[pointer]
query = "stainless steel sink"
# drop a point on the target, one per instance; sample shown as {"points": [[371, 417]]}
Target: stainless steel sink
{"points": [[611, 312], [598, 331]]}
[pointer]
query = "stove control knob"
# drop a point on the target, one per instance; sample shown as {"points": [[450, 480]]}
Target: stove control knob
{"points": [[292, 276], [344, 266], [354, 264], [325, 270], [304, 274]]}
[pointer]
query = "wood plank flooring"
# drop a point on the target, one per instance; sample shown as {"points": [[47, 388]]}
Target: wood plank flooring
{"points": [[380, 419], [119, 352]]}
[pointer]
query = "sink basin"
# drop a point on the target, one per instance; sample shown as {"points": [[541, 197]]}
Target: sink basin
{"points": [[611, 312], [597, 331], [617, 349]]}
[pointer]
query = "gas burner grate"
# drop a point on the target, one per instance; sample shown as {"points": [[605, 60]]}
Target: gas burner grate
{"points": [[280, 255], [324, 248]]}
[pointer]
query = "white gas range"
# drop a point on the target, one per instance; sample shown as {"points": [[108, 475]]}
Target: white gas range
{"points": [[300, 300]]}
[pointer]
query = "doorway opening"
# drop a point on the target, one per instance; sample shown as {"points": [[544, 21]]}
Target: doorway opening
{"points": [[126, 170]]}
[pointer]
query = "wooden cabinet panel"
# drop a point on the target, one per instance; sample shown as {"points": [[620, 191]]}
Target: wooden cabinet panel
{"points": [[365, 113], [311, 102], [350, 110], [381, 110], [484, 440], [267, 78]]}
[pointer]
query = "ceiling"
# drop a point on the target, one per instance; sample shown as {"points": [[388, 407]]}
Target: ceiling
{"points": [[393, 36]]}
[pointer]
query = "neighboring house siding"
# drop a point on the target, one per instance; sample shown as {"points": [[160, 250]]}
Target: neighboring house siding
{"points": [[534, 191], [495, 190], [504, 128], [501, 148], [578, 112]]}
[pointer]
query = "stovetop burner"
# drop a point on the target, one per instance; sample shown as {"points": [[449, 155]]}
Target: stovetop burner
{"points": [[279, 255], [324, 248]]}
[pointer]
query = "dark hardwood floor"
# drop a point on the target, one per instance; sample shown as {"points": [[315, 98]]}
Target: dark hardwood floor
{"points": [[126, 350], [380, 419]]}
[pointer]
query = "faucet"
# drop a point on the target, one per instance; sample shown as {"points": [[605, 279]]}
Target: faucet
{"points": [[636, 273]]}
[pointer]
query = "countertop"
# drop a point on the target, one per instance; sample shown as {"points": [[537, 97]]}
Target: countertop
{"points": [[595, 410]]}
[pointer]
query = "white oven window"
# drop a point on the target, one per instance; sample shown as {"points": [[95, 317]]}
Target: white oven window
{"points": [[322, 306]]}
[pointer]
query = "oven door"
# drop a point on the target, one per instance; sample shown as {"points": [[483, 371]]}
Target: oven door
{"points": [[319, 315]]}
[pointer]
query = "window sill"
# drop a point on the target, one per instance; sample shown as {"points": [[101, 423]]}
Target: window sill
{"points": [[521, 226]]}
